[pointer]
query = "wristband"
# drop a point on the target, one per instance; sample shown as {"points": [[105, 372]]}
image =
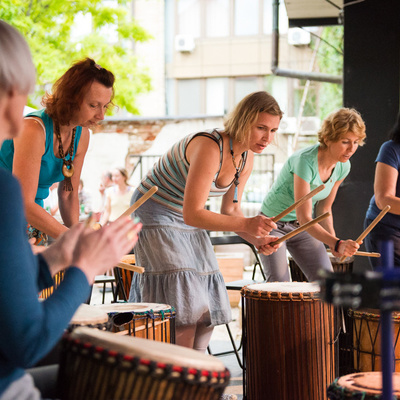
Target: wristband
{"points": [[337, 244]]}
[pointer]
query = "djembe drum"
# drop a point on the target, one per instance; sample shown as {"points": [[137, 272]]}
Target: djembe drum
{"points": [[90, 316], [101, 365], [343, 323], [145, 320], [367, 340], [365, 386], [288, 335], [298, 276]]}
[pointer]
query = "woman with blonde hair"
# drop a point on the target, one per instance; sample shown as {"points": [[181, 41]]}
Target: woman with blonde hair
{"points": [[328, 163], [181, 267]]}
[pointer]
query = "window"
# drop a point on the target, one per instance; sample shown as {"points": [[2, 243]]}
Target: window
{"points": [[189, 97], [244, 86], [217, 18], [216, 96], [189, 13], [277, 86], [246, 17]]}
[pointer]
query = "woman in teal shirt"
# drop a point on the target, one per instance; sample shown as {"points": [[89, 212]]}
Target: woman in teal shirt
{"points": [[54, 141], [324, 163]]}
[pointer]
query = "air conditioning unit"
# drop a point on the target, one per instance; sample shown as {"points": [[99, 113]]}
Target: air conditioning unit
{"points": [[287, 125], [184, 43], [310, 125], [298, 37]]}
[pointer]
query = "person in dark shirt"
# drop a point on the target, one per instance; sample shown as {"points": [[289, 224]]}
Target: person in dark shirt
{"points": [[30, 328]]}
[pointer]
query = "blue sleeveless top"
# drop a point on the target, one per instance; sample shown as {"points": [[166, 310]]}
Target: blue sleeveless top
{"points": [[51, 166]]}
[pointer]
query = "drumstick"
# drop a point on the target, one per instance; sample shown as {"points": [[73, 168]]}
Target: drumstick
{"points": [[138, 203], [298, 203], [370, 227], [366, 254], [130, 267], [302, 228]]}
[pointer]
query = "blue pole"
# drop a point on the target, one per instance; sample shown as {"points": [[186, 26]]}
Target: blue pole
{"points": [[387, 330]]}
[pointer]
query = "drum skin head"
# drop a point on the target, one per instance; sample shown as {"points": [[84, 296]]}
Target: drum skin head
{"points": [[285, 287], [148, 349], [89, 315], [132, 307], [368, 382]]}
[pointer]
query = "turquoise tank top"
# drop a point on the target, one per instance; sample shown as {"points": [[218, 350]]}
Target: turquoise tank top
{"points": [[51, 166]]}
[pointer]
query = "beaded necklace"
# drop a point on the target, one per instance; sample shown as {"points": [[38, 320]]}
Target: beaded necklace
{"points": [[68, 167], [237, 168]]}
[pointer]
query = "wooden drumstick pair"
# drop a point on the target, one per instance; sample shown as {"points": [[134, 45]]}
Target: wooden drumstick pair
{"points": [[296, 204], [369, 229], [301, 228]]}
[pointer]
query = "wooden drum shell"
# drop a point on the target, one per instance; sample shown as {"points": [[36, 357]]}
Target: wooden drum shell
{"points": [[103, 366], [288, 344], [367, 340]]}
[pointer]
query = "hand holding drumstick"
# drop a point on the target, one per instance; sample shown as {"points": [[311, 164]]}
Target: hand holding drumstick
{"points": [[295, 232], [268, 226], [369, 228]]}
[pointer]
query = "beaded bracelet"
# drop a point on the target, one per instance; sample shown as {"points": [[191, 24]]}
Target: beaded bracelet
{"points": [[337, 244]]}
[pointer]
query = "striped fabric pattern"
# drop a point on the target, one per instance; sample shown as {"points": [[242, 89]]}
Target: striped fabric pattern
{"points": [[170, 173]]}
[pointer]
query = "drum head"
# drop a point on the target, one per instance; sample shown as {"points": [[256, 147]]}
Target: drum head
{"points": [[368, 382], [89, 315], [285, 287], [149, 349], [132, 307]]}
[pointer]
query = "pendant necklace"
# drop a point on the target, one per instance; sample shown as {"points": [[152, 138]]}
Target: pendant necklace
{"points": [[237, 174], [68, 166]]}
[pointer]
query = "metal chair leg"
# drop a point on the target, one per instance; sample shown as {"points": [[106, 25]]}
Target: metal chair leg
{"points": [[235, 349]]}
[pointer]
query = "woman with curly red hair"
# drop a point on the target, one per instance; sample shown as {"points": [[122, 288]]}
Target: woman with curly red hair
{"points": [[53, 144]]}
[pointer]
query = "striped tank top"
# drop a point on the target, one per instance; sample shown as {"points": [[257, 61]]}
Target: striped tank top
{"points": [[171, 171]]}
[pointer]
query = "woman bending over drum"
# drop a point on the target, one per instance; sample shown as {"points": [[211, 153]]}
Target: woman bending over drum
{"points": [[326, 162], [30, 328], [181, 267], [53, 144], [386, 192]]}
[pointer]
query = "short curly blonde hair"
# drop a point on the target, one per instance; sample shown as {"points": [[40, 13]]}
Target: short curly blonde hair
{"points": [[338, 123]]}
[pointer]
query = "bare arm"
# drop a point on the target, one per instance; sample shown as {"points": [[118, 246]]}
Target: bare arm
{"points": [[385, 187], [29, 149], [204, 157], [69, 201]]}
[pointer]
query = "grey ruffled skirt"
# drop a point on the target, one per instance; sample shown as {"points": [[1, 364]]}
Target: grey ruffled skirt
{"points": [[180, 267]]}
